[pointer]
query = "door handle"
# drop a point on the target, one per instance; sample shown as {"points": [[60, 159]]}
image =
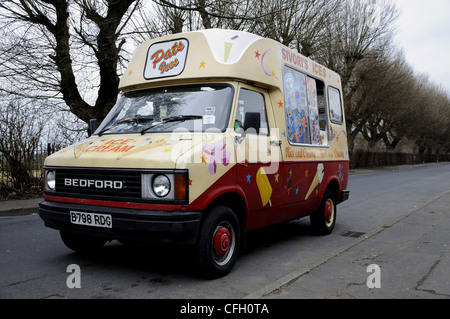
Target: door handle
{"points": [[238, 139], [275, 143]]}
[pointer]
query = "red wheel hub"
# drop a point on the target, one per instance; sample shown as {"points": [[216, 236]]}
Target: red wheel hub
{"points": [[328, 212], [222, 242]]}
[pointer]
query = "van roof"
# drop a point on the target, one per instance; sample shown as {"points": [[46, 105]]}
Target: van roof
{"points": [[211, 54]]}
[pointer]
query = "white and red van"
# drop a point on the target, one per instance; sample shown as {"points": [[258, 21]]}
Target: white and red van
{"points": [[216, 133]]}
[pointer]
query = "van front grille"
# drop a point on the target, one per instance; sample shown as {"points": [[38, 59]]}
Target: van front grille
{"points": [[104, 184]]}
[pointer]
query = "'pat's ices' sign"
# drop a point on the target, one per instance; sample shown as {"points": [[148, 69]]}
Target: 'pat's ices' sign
{"points": [[166, 59]]}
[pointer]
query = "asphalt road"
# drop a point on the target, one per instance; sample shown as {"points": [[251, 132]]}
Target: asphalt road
{"points": [[398, 220]]}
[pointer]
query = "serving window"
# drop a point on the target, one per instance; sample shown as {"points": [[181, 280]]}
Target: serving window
{"points": [[334, 100], [306, 108]]}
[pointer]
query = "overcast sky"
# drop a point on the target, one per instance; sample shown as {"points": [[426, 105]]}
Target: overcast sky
{"points": [[424, 34]]}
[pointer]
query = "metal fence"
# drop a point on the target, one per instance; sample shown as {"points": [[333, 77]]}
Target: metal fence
{"points": [[361, 158], [23, 171]]}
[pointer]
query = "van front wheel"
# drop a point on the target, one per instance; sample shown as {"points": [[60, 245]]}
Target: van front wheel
{"points": [[324, 219], [219, 242]]}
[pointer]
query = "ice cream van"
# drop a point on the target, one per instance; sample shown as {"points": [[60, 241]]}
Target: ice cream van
{"points": [[215, 133]]}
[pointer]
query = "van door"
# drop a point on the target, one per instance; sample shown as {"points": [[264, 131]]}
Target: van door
{"points": [[258, 154]]}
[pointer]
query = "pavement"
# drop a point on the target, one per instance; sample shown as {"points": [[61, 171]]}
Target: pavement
{"points": [[19, 207], [411, 259]]}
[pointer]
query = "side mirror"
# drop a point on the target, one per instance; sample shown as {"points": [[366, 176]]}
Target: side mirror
{"points": [[93, 125]]}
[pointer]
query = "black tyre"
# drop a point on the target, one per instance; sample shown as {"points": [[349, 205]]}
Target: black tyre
{"points": [[324, 219], [81, 243], [219, 242]]}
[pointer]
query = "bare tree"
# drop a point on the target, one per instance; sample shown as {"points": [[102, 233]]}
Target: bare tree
{"points": [[186, 15], [381, 101], [299, 24], [354, 40], [429, 117], [20, 133], [65, 49], [73, 51]]}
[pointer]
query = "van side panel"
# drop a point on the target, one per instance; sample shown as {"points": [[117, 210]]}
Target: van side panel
{"points": [[296, 190]]}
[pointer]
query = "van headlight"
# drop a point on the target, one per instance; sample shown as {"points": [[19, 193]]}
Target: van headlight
{"points": [[50, 181], [161, 185], [166, 185]]}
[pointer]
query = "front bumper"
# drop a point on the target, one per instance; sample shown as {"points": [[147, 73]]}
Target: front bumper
{"points": [[127, 224], [344, 196]]}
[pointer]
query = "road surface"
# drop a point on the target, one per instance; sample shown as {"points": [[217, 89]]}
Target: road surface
{"points": [[398, 220]]}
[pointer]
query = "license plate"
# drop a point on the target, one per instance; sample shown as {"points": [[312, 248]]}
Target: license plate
{"points": [[91, 219]]}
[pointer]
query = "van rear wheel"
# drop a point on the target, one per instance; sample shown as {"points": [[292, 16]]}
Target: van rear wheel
{"points": [[324, 219], [219, 242]]}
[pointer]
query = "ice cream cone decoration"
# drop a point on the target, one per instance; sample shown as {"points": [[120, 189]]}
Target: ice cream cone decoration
{"points": [[227, 50], [79, 148], [317, 179], [264, 187]]}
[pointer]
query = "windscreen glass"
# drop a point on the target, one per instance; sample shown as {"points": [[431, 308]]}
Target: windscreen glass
{"points": [[192, 108]]}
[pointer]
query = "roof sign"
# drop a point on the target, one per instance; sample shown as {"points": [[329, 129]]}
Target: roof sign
{"points": [[166, 59]]}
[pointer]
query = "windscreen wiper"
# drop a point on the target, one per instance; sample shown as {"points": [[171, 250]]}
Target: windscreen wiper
{"points": [[149, 127], [136, 119], [104, 130], [176, 118], [181, 118]]}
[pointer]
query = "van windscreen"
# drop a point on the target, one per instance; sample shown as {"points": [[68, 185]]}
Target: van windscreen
{"points": [[194, 108]]}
